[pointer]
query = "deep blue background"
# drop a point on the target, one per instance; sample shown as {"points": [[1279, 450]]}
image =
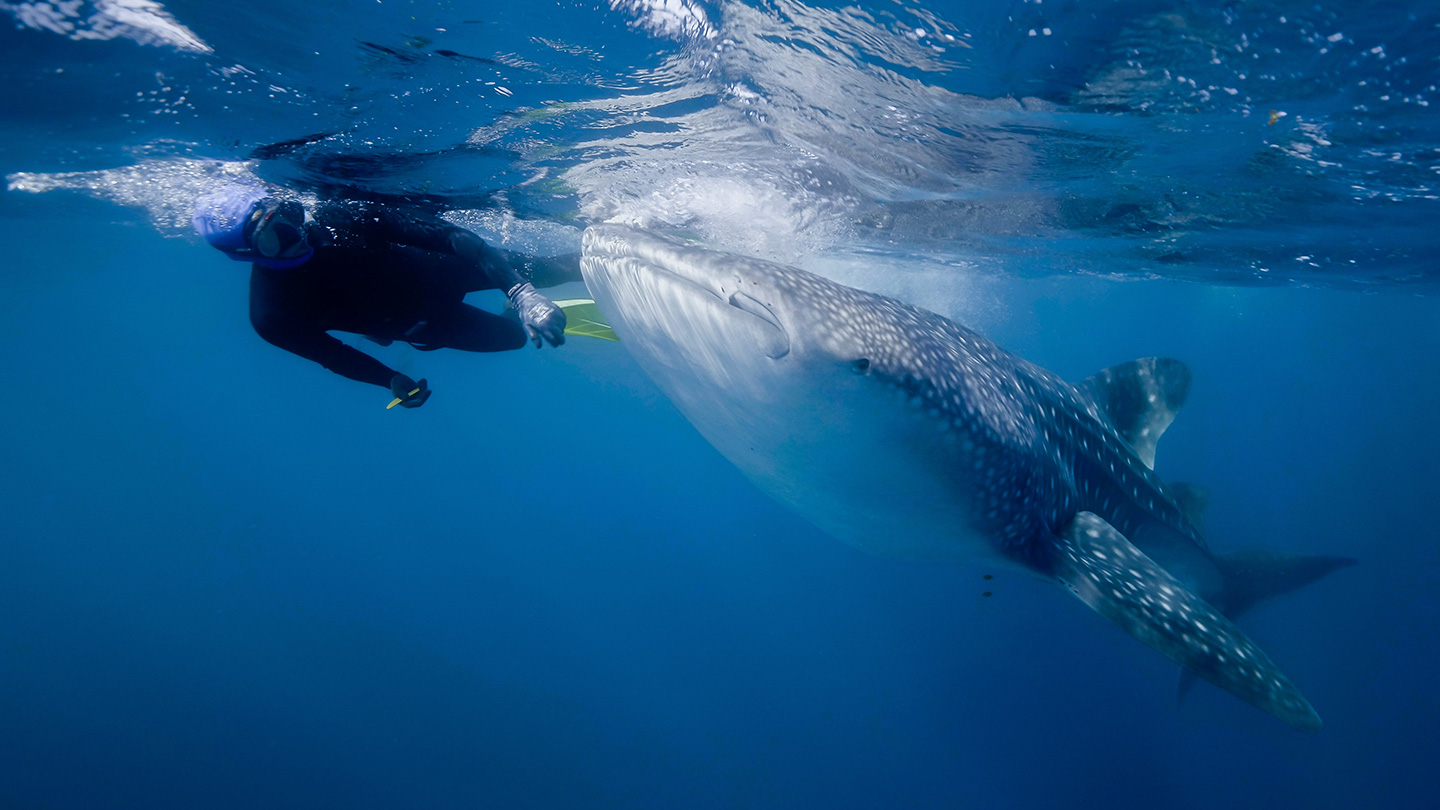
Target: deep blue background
{"points": [[231, 580]]}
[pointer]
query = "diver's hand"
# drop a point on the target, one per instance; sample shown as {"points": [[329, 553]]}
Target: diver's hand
{"points": [[408, 393], [539, 315]]}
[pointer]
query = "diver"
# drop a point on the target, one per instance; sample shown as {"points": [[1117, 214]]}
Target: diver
{"points": [[384, 273]]}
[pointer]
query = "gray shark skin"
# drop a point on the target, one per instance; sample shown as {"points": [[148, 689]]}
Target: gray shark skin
{"points": [[905, 434]]}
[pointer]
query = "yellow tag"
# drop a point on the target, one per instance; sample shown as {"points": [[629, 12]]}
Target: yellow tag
{"points": [[398, 400]]}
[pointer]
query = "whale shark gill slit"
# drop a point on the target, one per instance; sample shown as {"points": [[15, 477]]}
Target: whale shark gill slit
{"points": [[767, 328], [779, 345]]}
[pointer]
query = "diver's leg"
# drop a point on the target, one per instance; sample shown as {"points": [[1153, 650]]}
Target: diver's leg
{"points": [[469, 329]]}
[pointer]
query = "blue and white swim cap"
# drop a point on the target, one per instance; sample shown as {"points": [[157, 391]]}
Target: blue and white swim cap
{"points": [[221, 216]]}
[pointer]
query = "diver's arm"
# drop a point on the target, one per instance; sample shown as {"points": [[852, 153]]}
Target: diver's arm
{"points": [[543, 320], [544, 271], [433, 233], [330, 352], [469, 246], [280, 320]]}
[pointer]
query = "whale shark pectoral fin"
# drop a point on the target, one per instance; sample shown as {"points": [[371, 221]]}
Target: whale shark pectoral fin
{"points": [[1140, 398], [1108, 573]]}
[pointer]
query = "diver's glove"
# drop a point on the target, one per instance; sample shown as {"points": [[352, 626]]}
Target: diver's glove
{"points": [[408, 393], [539, 315]]}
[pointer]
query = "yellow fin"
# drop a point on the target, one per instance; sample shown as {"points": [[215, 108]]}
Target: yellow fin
{"points": [[582, 317]]}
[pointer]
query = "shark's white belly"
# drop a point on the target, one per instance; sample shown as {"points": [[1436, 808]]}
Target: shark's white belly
{"points": [[880, 478], [848, 454]]}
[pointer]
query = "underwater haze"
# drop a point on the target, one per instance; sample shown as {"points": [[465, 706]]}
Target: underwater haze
{"points": [[232, 579]]}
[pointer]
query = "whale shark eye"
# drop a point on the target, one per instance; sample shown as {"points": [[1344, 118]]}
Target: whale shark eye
{"points": [[861, 366]]}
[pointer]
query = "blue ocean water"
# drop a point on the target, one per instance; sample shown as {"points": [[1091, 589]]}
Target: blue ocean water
{"points": [[230, 579]]}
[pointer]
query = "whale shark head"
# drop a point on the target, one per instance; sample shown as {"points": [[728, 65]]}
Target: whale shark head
{"points": [[772, 364]]}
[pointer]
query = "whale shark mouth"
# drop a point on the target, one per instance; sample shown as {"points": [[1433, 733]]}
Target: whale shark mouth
{"points": [[665, 286]]}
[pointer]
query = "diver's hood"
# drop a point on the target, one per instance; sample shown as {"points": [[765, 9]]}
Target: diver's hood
{"points": [[220, 217]]}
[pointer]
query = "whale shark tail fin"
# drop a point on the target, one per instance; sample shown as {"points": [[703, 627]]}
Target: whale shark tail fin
{"points": [[1252, 577], [1140, 398], [1108, 573]]}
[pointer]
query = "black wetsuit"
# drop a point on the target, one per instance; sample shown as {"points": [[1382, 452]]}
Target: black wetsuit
{"points": [[388, 275]]}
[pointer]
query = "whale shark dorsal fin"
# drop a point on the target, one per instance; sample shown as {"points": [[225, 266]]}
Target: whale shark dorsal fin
{"points": [[1108, 573], [1140, 398]]}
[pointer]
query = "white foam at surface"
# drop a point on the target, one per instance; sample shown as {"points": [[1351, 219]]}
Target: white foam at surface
{"points": [[143, 21], [166, 190], [675, 19], [534, 237]]}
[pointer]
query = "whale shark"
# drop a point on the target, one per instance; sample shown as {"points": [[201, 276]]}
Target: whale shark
{"points": [[906, 434]]}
